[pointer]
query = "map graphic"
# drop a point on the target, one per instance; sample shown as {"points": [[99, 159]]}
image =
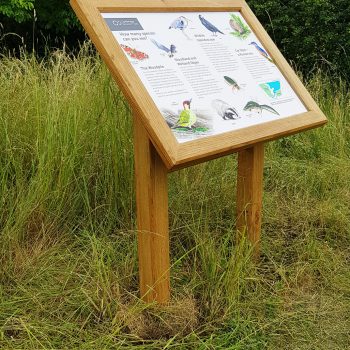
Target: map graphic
{"points": [[272, 89]]}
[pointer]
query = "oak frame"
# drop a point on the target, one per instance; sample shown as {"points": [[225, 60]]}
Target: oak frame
{"points": [[179, 155]]}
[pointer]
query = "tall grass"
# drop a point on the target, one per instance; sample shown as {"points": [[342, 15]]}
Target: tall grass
{"points": [[68, 260]]}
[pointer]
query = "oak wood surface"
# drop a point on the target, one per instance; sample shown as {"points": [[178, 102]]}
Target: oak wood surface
{"points": [[219, 145], [167, 5], [152, 218], [127, 79], [249, 194]]}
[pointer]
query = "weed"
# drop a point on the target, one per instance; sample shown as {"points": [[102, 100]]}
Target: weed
{"points": [[68, 260]]}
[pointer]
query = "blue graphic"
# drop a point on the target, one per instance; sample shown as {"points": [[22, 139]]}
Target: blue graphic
{"points": [[272, 89]]}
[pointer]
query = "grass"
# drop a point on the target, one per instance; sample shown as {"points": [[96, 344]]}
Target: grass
{"points": [[68, 257]]}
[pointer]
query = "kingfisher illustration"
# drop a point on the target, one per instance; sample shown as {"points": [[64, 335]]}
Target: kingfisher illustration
{"points": [[209, 26], [261, 51], [187, 117], [170, 51]]}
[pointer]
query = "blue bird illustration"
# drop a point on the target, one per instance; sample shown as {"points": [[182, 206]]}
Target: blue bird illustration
{"points": [[209, 26], [261, 51], [170, 51], [179, 23]]}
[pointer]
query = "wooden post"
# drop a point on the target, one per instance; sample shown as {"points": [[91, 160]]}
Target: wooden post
{"points": [[249, 193], [151, 178]]}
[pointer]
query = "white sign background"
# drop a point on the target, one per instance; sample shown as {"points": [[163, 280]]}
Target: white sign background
{"points": [[206, 72]]}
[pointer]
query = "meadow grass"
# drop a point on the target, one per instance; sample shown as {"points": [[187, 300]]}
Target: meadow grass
{"points": [[68, 255]]}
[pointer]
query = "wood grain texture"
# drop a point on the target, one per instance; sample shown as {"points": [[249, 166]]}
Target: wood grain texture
{"points": [[152, 218], [249, 194], [212, 147], [175, 155], [167, 5], [127, 79]]}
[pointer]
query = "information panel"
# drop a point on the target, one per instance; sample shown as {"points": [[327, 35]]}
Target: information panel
{"points": [[207, 72]]}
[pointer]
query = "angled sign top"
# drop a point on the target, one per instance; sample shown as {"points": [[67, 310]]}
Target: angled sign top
{"points": [[203, 76]]}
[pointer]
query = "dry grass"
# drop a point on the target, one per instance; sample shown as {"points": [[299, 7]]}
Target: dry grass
{"points": [[68, 271]]}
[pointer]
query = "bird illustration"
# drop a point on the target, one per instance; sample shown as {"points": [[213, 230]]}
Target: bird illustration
{"points": [[261, 51], [179, 23], [255, 107], [187, 117], [170, 51], [236, 26], [224, 110], [232, 83], [209, 26], [240, 30]]}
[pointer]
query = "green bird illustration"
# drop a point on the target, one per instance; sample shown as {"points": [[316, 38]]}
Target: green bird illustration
{"points": [[187, 117]]}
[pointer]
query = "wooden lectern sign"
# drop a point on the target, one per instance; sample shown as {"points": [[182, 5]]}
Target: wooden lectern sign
{"points": [[204, 80]]}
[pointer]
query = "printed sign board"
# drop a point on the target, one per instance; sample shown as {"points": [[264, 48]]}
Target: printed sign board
{"points": [[206, 72], [204, 77]]}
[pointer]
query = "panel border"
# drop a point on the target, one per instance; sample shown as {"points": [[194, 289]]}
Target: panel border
{"points": [[177, 155]]}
